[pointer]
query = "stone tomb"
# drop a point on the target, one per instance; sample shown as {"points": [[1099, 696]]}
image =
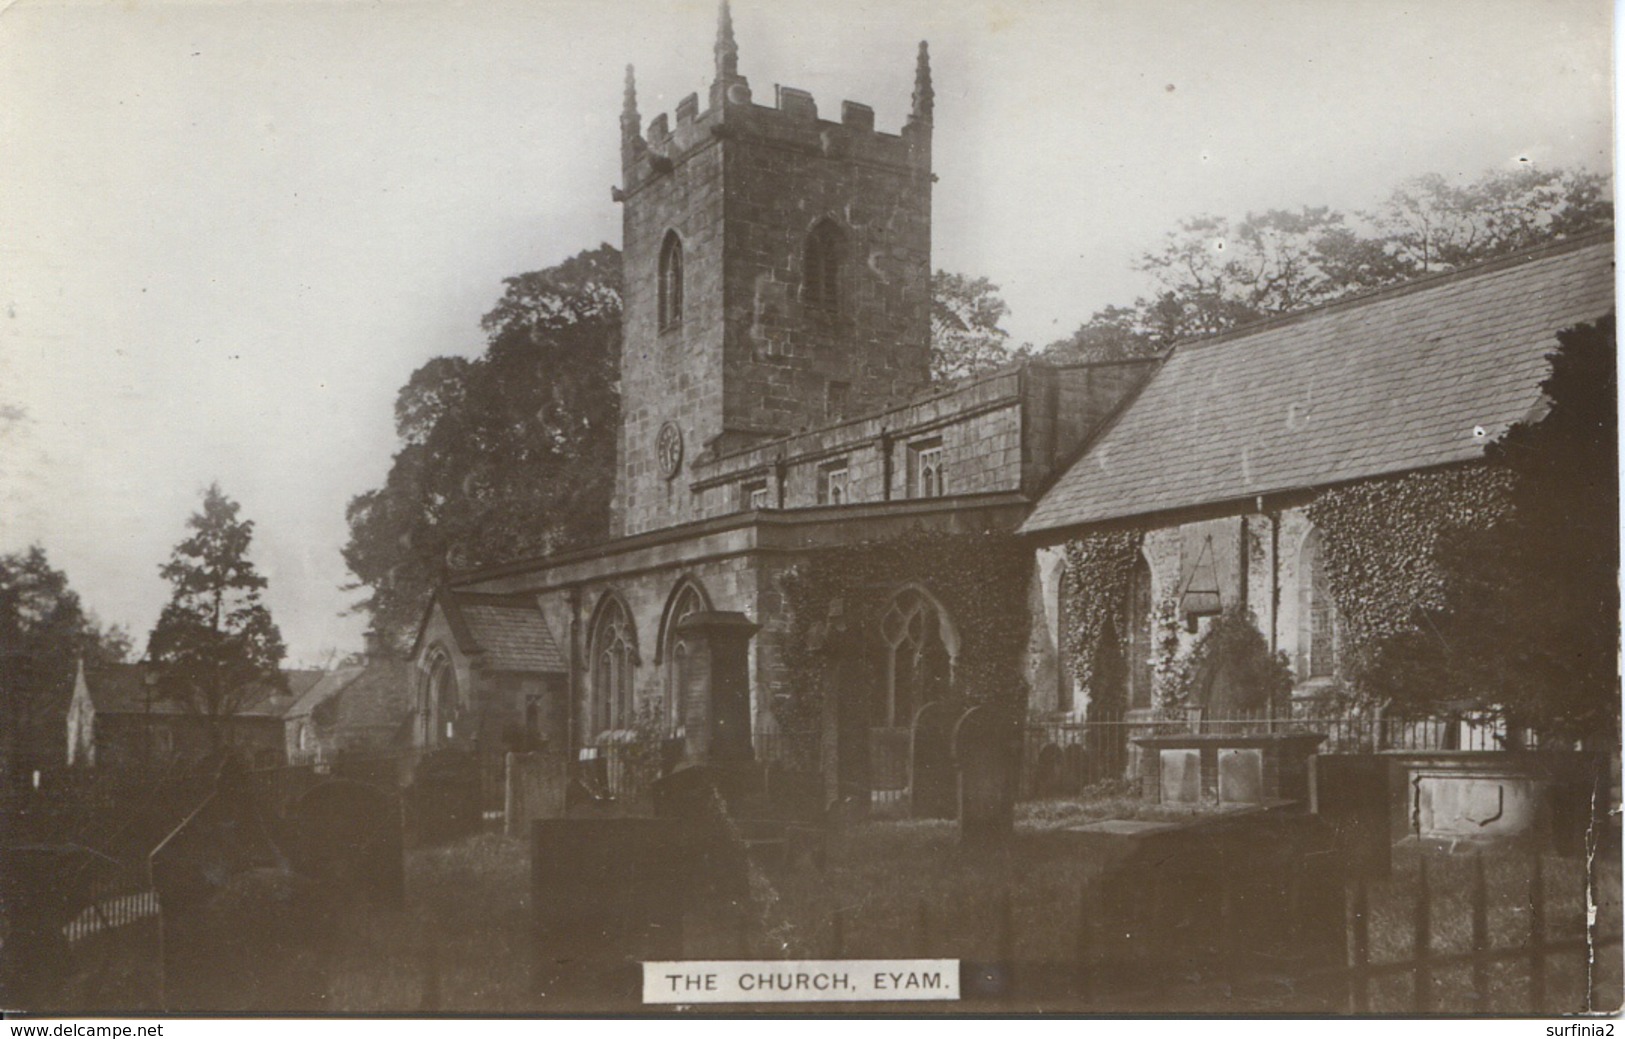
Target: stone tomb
{"points": [[1226, 768]]}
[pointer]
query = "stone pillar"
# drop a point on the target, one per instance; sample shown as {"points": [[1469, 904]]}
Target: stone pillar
{"points": [[719, 642]]}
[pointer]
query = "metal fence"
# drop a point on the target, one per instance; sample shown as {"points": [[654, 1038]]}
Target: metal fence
{"points": [[1062, 757]]}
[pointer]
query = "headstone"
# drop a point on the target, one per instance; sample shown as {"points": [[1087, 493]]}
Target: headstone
{"points": [[845, 751], [1241, 775], [538, 784], [1181, 776], [987, 750], [445, 796], [350, 839], [720, 642], [931, 763]]}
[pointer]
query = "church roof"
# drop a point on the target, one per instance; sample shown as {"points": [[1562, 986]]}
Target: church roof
{"points": [[507, 632], [1423, 374]]}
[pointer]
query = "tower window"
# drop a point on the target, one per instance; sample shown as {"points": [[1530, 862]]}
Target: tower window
{"points": [[671, 281], [836, 396], [823, 267]]}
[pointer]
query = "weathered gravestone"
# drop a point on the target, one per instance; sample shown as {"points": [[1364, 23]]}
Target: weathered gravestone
{"points": [[445, 796], [932, 783], [240, 931], [538, 785], [987, 750], [349, 837]]}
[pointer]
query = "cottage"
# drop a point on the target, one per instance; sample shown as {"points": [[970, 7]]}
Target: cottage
{"points": [[362, 708]]}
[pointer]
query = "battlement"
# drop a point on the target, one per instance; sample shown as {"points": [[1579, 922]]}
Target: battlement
{"points": [[791, 121]]}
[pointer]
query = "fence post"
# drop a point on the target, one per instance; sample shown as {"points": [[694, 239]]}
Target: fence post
{"points": [[1422, 930], [1359, 948], [1481, 938], [1537, 937]]}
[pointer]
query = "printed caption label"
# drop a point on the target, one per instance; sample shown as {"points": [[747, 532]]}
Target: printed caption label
{"points": [[799, 981]]}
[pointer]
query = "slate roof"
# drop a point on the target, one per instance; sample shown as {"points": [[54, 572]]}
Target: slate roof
{"points": [[123, 689], [1397, 380], [507, 632], [375, 694]]}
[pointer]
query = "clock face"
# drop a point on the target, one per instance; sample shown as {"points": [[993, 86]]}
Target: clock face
{"points": [[669, 449]]}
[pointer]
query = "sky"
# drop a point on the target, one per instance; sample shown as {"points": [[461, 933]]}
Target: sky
{"points": [[229, 232]]}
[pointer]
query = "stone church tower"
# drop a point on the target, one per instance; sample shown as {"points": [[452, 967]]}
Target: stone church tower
{"points": [[777, 277]]}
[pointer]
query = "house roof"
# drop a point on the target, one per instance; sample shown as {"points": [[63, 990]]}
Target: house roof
{"points": [[375, 694], [1423, 374], [125, 689], [507, 632]]}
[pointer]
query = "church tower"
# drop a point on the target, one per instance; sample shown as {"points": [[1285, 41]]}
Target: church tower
{"points": [[777, 276]]}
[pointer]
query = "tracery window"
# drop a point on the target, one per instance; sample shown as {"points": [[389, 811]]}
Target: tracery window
{"points": [[677, 656], [916, 661], [1317, 613], [834, 484], [439, 707], [1136, 630], [929, 478], [671, 281], [613, 659]]}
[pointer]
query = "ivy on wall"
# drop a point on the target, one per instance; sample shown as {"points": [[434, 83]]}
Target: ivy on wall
{"points": [[980, 579], [1099, 566], [1380, 540]]}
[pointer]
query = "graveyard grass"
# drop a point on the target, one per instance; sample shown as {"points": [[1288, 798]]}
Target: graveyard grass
{"points": [[904, 888]]}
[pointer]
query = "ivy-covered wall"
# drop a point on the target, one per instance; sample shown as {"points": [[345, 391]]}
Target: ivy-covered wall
{"points": [[981, 581], [1379, 541]]}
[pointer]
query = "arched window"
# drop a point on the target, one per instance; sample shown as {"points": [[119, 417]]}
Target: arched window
{"points": [[822, 287], [440, 700], [613, 657], [918, 658], [671, 281], [687, 600], [1135, 627], [1065, 615], [1317, 613]]}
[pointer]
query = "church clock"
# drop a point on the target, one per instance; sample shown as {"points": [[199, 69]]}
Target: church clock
{"points": [[669, 449]]}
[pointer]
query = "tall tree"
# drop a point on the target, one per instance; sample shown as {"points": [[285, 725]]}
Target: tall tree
{"points": [[44, 633], [966, 338], [215, 648], [506, 455], [1212, 274]]}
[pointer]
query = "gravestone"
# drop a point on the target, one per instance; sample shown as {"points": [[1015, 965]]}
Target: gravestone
{"points": [[1241, 775], [719, 646], [845, 722], [538, 784], [1181, 772], [350, 838], [932, 782], [445, 796], [987, 750]]}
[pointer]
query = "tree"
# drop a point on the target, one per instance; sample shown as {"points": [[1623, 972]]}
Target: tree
{"points": [[215, 648], [1530, 621], [1212, 274], [965, 335], [503, 456], [44, 633]]}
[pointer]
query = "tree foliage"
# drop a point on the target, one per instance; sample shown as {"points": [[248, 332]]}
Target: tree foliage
{"points": [[502, 456], [44, 633], [215, 648], [965, 335], [1212, 274], [1527, 619]]}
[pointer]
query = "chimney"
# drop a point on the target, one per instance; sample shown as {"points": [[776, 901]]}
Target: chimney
{"points": [[377, 646]]}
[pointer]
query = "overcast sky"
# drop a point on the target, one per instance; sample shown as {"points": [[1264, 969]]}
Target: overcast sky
{"points": [[229, 232]]}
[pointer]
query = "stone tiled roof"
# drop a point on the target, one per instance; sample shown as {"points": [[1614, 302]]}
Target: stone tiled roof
{"points": [[512, 635], [1424, 374], [330, 685], [124, 689]]}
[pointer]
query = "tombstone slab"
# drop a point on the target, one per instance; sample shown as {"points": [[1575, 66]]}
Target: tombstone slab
{"points": [[987, 750]]}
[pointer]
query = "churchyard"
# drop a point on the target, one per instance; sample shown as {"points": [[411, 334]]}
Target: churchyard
{"points": [[1099, 903]]}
